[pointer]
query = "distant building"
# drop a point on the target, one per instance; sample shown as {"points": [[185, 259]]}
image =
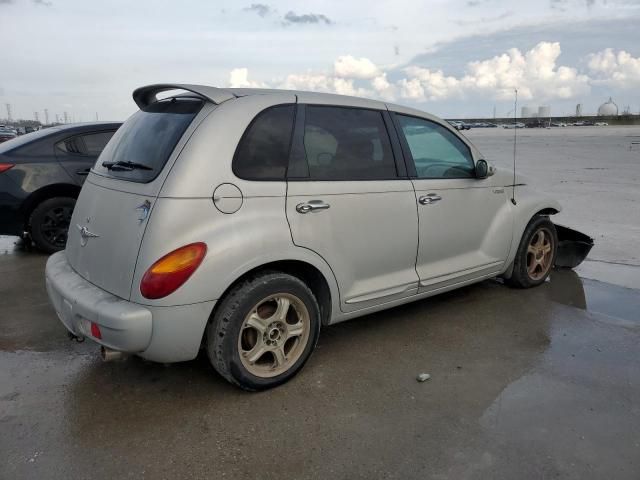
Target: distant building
{"points": [[544, 111], [528, 112], [608, 109], [579, 110]]}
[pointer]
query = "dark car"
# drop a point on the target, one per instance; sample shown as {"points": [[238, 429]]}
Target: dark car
{"points": [[41, 174]]}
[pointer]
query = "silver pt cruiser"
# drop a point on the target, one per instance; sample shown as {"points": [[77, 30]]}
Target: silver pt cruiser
{"points": [[243, 221]]}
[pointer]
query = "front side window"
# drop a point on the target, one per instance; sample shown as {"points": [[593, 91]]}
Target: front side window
{"points": [[437, 152], [263, 151], [347, 144]]}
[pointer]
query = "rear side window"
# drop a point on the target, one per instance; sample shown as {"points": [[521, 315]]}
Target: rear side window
{"points": [[263, 151], [94, 143], [142, 145], [90, 144], [72, 145], [347, 144]]}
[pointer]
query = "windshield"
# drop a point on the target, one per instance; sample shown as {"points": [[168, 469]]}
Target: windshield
{"points": [[146, 140]]}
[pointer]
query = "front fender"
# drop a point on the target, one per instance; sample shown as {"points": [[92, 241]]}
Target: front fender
{"points": [[529, 202]]}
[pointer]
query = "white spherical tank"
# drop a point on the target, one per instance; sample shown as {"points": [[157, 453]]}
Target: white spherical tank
{"points": [[544, 111], [608, 109]]}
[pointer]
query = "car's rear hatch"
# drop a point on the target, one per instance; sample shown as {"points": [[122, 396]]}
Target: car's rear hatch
{"points": [[117, 199]]}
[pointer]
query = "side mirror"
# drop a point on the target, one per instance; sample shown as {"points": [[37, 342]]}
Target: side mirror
{"points": [[482, 169]]}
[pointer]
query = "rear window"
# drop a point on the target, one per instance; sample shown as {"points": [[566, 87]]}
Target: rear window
{"points": [[141, 147]]}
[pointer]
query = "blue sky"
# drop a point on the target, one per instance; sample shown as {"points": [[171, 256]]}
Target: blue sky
{"points": [[453, 58]]}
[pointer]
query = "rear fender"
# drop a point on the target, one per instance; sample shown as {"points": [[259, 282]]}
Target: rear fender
{"points": [[256, 235]]}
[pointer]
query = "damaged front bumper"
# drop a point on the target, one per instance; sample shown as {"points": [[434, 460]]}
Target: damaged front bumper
{"points": [[573, 247]]}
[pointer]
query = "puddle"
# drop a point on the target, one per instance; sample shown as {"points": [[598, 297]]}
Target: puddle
{"points": [[567, 288]]}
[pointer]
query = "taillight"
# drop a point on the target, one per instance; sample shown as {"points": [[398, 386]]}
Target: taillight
{"points": [[167, 274], [5, 166], [95, 331]]}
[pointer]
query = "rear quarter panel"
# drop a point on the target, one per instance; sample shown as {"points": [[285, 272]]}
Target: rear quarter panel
{"points": [[255, 235]]}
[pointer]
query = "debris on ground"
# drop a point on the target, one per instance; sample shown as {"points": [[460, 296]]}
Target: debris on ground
{"points": [[423, 377]]}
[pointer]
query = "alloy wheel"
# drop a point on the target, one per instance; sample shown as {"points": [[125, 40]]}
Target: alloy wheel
{"points": [[539, 254], [274, 335]]}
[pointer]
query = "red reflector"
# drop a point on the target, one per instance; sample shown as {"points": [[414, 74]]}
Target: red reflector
{"points": [[95, 331], [5, 166], [171, 271]]}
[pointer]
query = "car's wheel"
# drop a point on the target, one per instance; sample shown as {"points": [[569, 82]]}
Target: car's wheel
{"points": [[263, 331], [536, 254], [49, 223]]}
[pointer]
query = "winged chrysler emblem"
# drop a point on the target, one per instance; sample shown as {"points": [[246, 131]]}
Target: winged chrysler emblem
{"points": [[85, 234]]}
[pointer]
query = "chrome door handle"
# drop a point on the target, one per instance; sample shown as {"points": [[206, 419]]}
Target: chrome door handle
{"points": [[429, 198], [311, 206]]}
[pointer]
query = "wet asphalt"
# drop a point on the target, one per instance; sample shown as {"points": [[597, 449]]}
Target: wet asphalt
{"points": [[539, 383]]}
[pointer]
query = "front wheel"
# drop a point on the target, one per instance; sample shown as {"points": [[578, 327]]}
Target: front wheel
{"points": [[263, 331], [536, 254]]}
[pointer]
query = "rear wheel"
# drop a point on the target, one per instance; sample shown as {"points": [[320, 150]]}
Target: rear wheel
{"points": [[49, 223], [264, 331], [536, 254]]}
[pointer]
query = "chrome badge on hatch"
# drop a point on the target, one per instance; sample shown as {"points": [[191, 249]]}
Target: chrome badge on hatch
{"points": [[85, 234]]}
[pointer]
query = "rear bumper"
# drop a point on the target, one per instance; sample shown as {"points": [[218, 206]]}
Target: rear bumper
{"points": [[163, 334]]}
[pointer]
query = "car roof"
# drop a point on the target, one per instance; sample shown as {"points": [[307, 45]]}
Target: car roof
{"points": [[146, 95], [83, 127]]}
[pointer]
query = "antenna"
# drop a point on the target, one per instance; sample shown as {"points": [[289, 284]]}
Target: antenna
{"points": [[515, 138]]}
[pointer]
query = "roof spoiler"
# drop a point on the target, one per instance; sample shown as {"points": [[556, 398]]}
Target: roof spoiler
{"points": [[145, 96]]}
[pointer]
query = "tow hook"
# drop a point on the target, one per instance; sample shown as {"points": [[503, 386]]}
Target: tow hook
{"points": [[73, 336]]}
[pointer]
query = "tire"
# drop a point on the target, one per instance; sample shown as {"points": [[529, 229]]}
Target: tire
{"points": [[274, 312], [49, 223], [531, 268]]}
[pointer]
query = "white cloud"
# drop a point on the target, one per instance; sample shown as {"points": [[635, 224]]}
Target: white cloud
{"points": [[411, 89], [323, 83], [536, 74], [239, 78], [615, 69], [307, 81], [347, 66], [423, 84], [383, 88]]}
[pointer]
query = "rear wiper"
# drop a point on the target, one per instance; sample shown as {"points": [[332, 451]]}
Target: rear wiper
{"points": [[126, 166]]}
